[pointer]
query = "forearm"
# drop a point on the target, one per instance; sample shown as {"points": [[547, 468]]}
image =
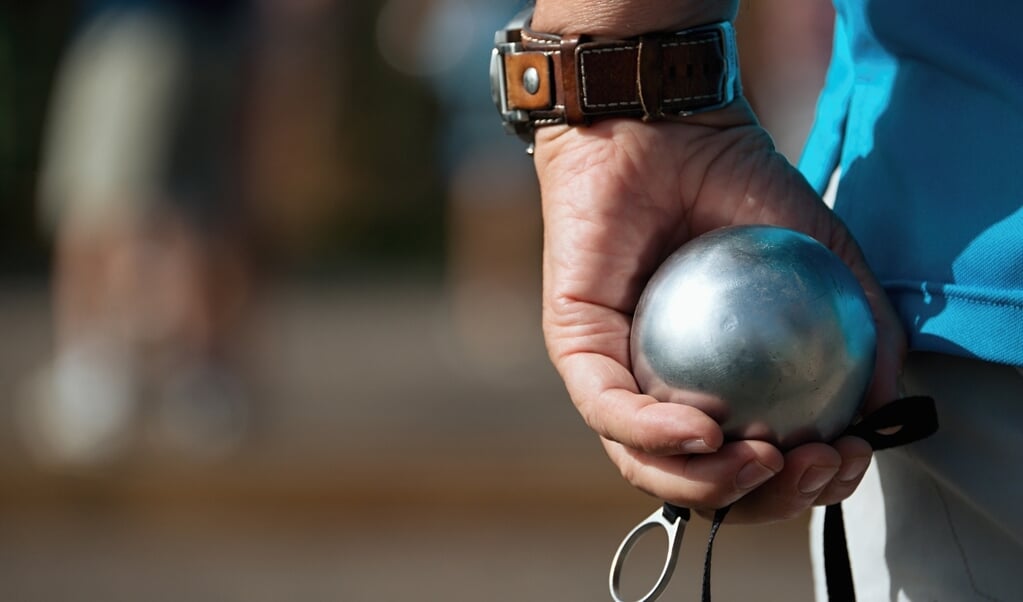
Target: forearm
{"points": [[625, 18]]}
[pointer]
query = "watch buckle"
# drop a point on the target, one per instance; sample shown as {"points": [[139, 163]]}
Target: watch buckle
{"points": [[516, 121]]}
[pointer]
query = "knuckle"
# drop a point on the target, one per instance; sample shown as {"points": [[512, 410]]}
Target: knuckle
{"points": [[632, 474], [835, 493]]}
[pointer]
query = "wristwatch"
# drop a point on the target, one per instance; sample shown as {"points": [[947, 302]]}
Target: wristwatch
{"points": [[539, 79]]}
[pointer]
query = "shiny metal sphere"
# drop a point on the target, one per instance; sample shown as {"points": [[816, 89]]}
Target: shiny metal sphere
{"points": [[762, 328]]}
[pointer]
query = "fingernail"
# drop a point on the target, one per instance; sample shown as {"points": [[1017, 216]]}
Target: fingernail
{"points": [[816, 477], [695, 446], [752, 474], [853, 469]]}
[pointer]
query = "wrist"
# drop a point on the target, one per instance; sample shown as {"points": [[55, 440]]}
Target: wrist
{"points": [[628, 18]]}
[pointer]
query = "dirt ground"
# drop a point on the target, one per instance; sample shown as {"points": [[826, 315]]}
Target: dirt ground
{"points": [[387, 457]]}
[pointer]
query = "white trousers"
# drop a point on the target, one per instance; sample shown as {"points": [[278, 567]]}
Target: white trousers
{"points": [[941, 519]]}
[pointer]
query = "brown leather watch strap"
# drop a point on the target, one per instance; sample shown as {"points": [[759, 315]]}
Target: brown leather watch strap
{"points": [[576, 80]]}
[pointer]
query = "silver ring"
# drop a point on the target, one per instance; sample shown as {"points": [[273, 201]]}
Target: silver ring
{"points": [[674, 526]]}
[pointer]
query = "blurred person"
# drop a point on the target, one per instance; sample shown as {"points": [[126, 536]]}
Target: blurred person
{"points": [[140, 187], [191, 143], [913, 144]]}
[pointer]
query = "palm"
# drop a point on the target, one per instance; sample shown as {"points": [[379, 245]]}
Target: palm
{"points": [[619, 197]]}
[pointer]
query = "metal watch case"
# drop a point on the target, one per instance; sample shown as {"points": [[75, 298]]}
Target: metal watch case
{"points": [[507, 41]]}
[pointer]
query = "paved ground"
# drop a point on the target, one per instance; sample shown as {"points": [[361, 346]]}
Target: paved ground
{"points": [[399, 450]]}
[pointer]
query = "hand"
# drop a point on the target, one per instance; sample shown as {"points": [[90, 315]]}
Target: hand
{"points": [[618, 198]]}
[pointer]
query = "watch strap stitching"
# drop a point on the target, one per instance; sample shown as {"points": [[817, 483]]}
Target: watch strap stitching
{"points": [[584, 81], [570, 94], [649, 80], [529, 37], [651, 105]]}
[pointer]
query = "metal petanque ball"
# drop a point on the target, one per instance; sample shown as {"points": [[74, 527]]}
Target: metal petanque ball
{"points": [[762, 328]]}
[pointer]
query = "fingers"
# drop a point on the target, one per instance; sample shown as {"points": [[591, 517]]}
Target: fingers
{"points": [[891, 351], [676, 452], [814, 474], [605, 394], [759, 482], [856, 456], [891, 339], [699, 481]]}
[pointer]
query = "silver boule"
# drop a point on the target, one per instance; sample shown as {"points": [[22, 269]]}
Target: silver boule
{"points": [[762, 328]]}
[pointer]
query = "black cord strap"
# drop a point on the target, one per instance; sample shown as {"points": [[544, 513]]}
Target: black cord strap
{"points": [[898, 423], [719, 517], [901, 422]]}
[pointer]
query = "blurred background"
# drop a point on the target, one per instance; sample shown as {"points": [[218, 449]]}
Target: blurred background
{"points": [[270, 318]]}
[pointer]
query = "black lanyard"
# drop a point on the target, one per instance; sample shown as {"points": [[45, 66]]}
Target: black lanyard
{"points": [[900, 422]]}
